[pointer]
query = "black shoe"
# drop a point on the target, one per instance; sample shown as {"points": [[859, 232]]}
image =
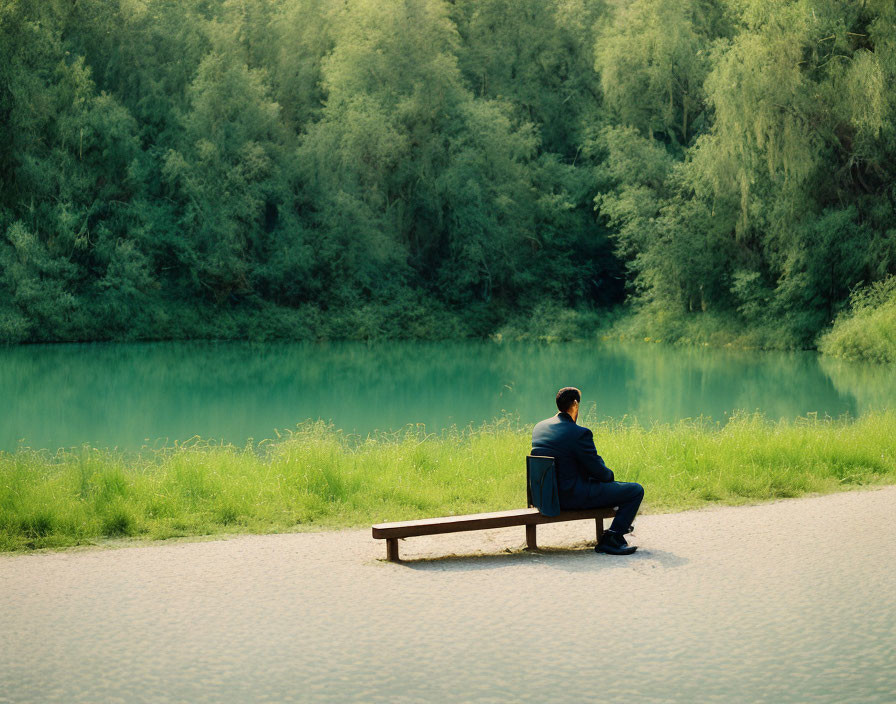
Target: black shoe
{"points": [[614, 544]]}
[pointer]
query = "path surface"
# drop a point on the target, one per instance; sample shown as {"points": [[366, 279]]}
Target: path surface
{"points": [[790, 601]]}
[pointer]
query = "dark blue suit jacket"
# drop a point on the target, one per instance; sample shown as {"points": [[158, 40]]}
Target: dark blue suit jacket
{"points": [[580, 470]]}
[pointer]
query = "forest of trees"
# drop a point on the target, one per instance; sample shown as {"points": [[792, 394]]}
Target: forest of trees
{"points": [[438, 168]]}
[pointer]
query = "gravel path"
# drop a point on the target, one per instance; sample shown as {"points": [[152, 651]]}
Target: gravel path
{"points": [[788, 601]]}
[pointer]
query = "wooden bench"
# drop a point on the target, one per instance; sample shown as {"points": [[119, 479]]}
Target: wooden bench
{"points": [[529, 517]]}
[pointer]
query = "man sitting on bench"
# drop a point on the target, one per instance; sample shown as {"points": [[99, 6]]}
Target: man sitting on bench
{"points": [[583, 480]]}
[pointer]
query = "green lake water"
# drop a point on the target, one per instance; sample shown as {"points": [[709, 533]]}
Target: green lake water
{"points": [[131, 395]]}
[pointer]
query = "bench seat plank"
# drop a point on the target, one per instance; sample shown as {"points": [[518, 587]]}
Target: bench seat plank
{"points": [[482, 521]]}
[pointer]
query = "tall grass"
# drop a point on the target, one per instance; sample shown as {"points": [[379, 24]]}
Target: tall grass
{"points": [[317, 476], [867, 331]]}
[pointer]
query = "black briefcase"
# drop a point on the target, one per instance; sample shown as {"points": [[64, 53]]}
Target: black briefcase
{"points": [[542, 484]]}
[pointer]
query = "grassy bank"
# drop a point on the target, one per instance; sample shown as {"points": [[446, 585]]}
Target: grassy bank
{"points": [[656, 324], [319, 477], [867, 331]]}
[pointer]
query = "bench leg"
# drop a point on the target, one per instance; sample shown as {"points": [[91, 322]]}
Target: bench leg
{"points": [[530, 537], [392, 549], [600, 528]]}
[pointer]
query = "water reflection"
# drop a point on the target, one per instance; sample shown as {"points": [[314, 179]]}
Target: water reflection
{"points": [[872, 385], [123, 394]]}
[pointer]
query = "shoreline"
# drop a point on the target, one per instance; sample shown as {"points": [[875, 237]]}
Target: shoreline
{"points": [[618, 323]]}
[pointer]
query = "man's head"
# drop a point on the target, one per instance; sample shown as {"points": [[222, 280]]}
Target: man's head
{"points": [[568, 401]]}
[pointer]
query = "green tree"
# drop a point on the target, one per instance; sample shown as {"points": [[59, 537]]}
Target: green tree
{"points": [[675, 247], [227, 177], [653, 59], [66, 184], [537, 56], [803, 157], [406, 170]]}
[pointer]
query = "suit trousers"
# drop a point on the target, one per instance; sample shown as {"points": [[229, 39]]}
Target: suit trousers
{"points": [[626, 495]]}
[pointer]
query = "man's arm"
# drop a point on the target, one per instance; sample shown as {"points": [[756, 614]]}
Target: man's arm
{"points": [[592, 462]]}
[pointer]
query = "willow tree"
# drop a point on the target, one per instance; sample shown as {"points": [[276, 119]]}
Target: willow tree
{"points": [[803, 141], [784, 199], [652, 59]]}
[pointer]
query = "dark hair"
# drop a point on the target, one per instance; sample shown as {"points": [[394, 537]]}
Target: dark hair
{"points": [[566, 396]]}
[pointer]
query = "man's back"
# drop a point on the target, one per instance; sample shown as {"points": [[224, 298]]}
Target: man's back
{"points": [[577, 464]]}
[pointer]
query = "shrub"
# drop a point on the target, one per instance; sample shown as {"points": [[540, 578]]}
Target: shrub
{"points": [[867, 330]]}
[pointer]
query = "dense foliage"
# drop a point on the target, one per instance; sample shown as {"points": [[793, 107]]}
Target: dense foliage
{"points": [[433, 168], [867, 331]]}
